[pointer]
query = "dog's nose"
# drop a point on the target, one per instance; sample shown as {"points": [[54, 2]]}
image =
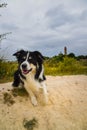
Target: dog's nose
{"points": [[24, 66]]}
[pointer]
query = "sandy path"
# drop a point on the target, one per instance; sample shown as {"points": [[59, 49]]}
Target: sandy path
{"points": [[66, 110]]}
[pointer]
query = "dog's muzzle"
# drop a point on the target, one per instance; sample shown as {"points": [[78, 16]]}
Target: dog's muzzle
{"points": [[25, 69]]}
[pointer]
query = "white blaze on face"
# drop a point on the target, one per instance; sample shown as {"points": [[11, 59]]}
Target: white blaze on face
{"points": [[28, 67]]}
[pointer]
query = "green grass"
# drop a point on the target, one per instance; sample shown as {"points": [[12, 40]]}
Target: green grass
{"points": [[7, 70], [53, 66], [68, 66]]}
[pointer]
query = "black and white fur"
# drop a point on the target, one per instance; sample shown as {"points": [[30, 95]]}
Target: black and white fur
{"points": [[30, 73]]}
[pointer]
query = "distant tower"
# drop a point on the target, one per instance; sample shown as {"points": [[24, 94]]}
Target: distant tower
{"points": [[65, 50]]}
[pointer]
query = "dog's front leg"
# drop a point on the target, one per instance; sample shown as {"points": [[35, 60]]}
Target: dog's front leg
{"points": [[32, 96], [44, 87]]}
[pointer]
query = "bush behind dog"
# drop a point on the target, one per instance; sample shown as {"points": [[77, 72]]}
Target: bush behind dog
{"points": [[53, 66]]}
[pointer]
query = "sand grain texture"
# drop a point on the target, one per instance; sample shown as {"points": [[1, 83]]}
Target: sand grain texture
{"points": [[66, 109]]}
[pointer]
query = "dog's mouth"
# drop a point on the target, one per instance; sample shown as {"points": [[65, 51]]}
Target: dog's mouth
{"points": [[25, 71]]}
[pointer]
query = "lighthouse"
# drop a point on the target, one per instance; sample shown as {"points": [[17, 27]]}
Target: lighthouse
{"points": [[65, 50]]}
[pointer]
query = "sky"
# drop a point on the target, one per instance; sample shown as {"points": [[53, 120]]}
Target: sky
{"points": [[44, 25]]}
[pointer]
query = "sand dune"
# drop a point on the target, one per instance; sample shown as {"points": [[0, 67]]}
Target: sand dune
{"points": [[66, 109]]}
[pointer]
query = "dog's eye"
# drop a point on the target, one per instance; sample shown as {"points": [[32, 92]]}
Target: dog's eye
{"points": [[30, 58], [24, 58]]}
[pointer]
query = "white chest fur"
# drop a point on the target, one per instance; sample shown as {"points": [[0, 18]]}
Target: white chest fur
{"points": [[31, 83], [32, 86]]}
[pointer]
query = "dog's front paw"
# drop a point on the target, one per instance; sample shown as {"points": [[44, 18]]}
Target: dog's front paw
{"points": [[34, 101]]}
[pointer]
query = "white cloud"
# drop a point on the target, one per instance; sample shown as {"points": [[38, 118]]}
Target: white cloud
{"points": [[46, 25]]}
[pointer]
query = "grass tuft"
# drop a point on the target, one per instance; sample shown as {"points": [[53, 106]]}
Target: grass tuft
{"points": [[19, 92], [8, 99], [30, 125]]}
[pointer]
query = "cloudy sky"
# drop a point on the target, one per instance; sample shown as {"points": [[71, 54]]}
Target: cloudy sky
{"points": [[44, 25]]}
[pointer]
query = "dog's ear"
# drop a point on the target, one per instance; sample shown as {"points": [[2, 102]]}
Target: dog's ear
{"points": [[39, 56], [17, 54]]}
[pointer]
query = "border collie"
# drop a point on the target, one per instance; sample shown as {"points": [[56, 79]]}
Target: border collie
{"points": [[30, 73]]}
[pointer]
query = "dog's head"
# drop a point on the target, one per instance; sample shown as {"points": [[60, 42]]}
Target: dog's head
{"points": [[29, 61]]}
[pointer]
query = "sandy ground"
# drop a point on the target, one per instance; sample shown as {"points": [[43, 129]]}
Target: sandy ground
{"points": [[66, 109]]}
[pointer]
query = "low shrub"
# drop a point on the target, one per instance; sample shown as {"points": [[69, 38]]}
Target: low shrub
{"points": [[7, 70], [68, 66], [53, 66]]}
